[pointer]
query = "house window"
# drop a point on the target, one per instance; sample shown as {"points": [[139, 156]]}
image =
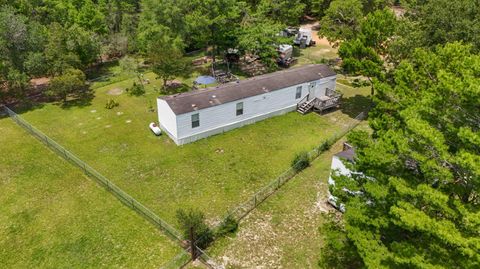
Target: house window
{"points": [[239, 108], [298, 94], [195, 120]]}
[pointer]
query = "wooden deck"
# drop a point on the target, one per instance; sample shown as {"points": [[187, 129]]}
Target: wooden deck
{"points": [[320, 104]]}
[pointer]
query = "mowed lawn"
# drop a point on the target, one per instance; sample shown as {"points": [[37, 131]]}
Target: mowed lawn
{"points": [[213, 174], [52, 216], [284, 231]]}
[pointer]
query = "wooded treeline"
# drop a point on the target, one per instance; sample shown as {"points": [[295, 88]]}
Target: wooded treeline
{"points": [[47, 37], [417, 202], [420, 203]]}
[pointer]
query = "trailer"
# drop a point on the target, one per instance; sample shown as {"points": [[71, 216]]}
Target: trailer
{"points": [[285, 55]]}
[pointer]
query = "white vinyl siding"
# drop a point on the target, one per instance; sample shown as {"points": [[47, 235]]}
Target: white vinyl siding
{"points": [[239, 111], [298, 94], [221, 118], [195, 120], [166, 117]]}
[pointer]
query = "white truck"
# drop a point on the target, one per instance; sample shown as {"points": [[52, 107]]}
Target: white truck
{"points": [[304, 38]]}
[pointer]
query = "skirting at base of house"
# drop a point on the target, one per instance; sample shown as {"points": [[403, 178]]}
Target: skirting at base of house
{"points": [[226, 128]]}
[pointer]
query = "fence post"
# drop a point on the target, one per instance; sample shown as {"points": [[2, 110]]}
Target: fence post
{"points": [[192, 244]]}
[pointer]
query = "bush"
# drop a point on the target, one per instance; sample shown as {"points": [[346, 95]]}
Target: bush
{"points": [[111, 104], [301, 161], [136, 90], [228, 225], [360, 83], [193, 221], [324, 146]]}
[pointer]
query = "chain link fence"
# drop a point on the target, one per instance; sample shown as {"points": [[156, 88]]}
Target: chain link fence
{"points": [[179, 261], [242, 210], [102, 180]]}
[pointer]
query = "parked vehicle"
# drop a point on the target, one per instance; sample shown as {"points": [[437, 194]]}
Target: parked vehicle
{"points": [[304, 38], [285, 53], [289, 32]]}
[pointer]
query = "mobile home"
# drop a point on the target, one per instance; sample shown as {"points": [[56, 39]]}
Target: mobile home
{"points": [[187, 117]]}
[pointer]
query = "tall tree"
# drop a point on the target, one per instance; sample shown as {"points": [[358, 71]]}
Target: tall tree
{"points": [[421, 166], [90, 17], [166, 56], [70, 82], [363, 55], [259, 37], [342, 20], [287, 12]]}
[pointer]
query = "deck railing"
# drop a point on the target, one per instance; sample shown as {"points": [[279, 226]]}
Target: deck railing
{"points": [[303, 100]]}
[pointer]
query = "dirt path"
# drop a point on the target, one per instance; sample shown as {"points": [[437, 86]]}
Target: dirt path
{"points": [[314, 26]]}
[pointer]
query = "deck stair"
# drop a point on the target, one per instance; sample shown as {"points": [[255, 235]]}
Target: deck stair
{"points": [[331, 99], [307, 106]]}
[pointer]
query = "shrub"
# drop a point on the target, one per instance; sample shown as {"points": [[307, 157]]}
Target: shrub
{"points": [[136, 90], [324, 146], [228, 225], [192, 223], [111, 104], [301, 161]]}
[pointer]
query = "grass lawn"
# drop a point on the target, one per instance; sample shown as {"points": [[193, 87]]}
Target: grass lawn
{"points": [[283, 232], [212, 174], [52, 216], [314, 54]]}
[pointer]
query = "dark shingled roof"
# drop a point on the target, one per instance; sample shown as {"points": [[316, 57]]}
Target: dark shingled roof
{"points": [[213, 96], [348, 154]]}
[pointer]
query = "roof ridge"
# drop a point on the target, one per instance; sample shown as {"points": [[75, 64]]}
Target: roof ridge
{"points": [[212, 96], [233, 83]]}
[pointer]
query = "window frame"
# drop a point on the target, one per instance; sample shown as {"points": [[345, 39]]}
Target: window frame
{"points": [[195, 123], [239, 111], [298, 92]]}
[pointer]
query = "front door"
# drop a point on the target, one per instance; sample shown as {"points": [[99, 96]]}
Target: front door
{"points": [[311, 90]]}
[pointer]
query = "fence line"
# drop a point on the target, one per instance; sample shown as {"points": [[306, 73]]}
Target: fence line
{"points": [[243, 209], [179, 261], [102, 180], [261, 195]]}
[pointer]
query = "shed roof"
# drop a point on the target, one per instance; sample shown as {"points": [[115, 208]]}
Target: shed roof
{"points": [[348, 154], [204, 98]]}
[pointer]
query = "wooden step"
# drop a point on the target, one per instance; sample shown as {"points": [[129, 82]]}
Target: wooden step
{"points": [[306, 106]]}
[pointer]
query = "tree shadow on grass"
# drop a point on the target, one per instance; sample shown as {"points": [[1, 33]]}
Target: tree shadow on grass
{"points": [[354, 105], [175, 88], [82, 99]]}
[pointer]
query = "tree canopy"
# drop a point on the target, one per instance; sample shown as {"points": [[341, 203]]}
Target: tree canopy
{"points": [[420, 203]]}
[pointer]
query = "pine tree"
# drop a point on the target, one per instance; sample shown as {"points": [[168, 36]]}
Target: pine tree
{"points": [[420, 206]]}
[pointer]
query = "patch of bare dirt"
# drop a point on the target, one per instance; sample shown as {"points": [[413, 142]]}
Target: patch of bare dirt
{"points": [[40, 82], [315, 26], [264, 241], [115, 91], [254, 246], [174, 84]]}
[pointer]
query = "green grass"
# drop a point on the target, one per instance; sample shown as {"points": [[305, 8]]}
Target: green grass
{"points": [[213, 174], [52, 216], [283, 232], [315, 54]]}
